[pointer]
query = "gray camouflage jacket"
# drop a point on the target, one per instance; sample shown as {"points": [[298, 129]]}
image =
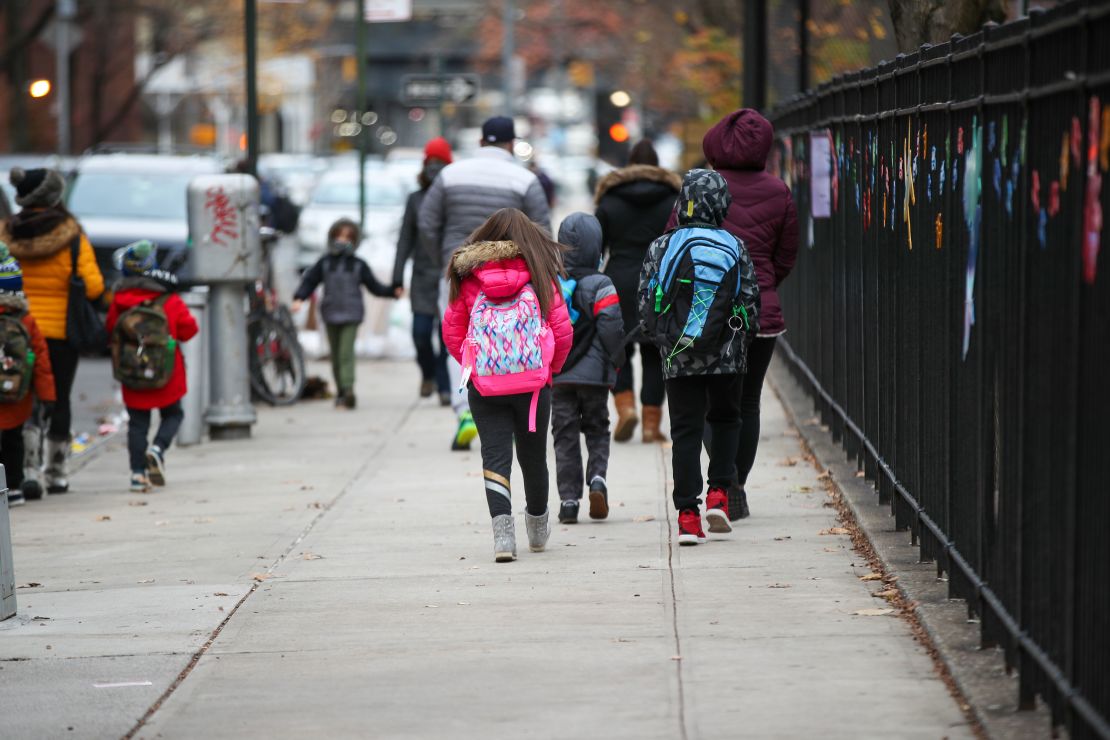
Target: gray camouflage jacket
{"points": [[704, 201]]}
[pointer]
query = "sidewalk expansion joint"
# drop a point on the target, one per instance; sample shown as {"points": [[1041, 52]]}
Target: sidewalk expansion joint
{"points": [[674, 603], [203, 650]]}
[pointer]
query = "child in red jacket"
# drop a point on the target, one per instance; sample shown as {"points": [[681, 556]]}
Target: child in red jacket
{"points": [[145, 286], [18, 349], [508, 327]]}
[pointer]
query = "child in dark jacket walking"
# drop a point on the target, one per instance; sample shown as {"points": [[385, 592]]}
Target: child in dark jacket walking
{"points": [[580, 398], [343, 275], [146, 287], [24, 376], [699, 303]]}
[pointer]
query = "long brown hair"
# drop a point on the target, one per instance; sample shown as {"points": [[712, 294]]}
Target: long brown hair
{"points": [[542, 254]]}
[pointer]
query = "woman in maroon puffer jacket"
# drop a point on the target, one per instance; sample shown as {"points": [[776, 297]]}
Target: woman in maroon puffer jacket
{"points": [[762, 214]]}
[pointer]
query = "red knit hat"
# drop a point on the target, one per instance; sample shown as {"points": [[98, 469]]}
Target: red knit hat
{"points": [[438, 148]]}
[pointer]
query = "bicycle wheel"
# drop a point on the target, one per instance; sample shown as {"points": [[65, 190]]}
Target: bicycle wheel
{"points": [[276, 362]]}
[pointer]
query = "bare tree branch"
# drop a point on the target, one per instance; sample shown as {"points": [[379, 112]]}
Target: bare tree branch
{"points": [[26, 36]]}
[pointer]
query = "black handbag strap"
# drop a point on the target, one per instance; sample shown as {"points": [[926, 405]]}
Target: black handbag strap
{"points": [[74, 250]]}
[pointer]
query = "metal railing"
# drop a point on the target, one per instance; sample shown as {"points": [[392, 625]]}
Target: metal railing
{"points": [[951, 317]]}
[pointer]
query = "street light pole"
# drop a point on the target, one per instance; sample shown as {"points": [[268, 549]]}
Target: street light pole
{"points": [[67, 11], [755, 54], [251, 23], [360, 106], [508, 20]]}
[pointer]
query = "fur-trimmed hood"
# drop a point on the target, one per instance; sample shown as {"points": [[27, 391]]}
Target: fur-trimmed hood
{"points": [[470, 257], [654, 183], [13, 302], [42, 245]]}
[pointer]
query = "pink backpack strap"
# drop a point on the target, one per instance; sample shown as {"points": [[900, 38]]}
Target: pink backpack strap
{"points": [[532, 410]]}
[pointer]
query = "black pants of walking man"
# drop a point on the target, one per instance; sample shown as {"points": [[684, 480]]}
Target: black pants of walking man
{"points": [[695, 401]]}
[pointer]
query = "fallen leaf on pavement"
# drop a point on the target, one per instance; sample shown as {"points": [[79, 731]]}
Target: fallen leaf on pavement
{"points": [[32, 584], [871, 577], [104, 518], [219, 593], [311, 556], [872, 612], [316, 505], [788, 462], [136, 503], [834, 530], [40, 619], [779, 585], [644, 518], [889, 593], [782, 539], [861, 474], [825, 476], [260, 577], [676, 657], [804, 489]]}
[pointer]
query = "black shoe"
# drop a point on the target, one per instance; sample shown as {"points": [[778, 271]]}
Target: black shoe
{"points": [[444, 398], [32, 489], [737, 504], [349, 400], [599, 499], [568, 512], [427, 388]]}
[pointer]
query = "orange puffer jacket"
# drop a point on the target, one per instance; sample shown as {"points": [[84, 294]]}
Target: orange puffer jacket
{"points": [[46, 263]]}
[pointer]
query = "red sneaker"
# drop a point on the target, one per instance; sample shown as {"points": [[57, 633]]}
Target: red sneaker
{"points": [[716, 511], [689, 527]]}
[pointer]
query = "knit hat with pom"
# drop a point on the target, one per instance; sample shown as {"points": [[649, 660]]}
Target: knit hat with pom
{"points": [[11, 274], [137, 258], [37, 188]]}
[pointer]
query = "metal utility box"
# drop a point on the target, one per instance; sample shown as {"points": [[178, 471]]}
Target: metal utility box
{"points": [[7, 569], [223, 229], [195, 353]]}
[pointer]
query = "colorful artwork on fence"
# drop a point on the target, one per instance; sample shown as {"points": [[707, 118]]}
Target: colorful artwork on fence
{"points": [[973, 165], [1092, 207], [820, 181]]}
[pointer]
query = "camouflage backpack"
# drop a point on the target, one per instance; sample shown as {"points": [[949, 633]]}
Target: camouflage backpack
{"points": [[143, 352], [17, 359]]}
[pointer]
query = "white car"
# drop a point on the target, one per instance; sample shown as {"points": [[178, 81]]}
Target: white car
{"points": [[335, 197]]}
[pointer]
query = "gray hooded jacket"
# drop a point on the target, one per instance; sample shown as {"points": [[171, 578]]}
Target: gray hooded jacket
{"points": [[703, 202], [593, 293]]}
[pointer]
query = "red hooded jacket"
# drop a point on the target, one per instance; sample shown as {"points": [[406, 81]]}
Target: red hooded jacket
{"points": [[762, 213], [498, 270], [183, 327], [16, 414]]}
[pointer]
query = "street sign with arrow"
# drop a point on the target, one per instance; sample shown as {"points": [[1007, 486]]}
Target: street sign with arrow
{"points": [[428, 90]]}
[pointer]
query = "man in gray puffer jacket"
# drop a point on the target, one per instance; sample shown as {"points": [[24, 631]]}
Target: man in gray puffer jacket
{"points": [[580, 401], [461, 198]]}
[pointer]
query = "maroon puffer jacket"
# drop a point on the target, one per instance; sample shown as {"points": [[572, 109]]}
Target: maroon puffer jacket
{"points": [[762, 212]]}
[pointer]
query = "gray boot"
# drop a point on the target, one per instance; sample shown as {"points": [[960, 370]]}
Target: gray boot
{"points": [[57, 465], [504, 538], [539, 529], [33, 485]]}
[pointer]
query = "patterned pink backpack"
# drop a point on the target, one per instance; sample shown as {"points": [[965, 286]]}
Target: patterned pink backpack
{"points": [[509, 348]]}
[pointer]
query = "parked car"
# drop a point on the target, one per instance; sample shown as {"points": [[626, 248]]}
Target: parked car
{"points": [[120, 198], [297, 173], [335, 197]]}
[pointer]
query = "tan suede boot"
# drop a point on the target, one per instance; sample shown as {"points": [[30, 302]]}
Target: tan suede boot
{"points": [[653, 417], [626, 416]]}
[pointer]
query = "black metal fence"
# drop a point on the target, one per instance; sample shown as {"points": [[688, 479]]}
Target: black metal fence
{"points": [[952, 317]]}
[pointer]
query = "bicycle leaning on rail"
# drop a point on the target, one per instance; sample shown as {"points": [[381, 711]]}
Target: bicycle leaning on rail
{"points": [[276, 358]]}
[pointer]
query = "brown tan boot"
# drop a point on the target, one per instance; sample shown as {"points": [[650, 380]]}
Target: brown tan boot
{"points": [[653, 416], [626, 416]]}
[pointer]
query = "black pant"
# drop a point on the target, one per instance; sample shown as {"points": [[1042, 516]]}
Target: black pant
{"points": [[11, 455], [63, 361], [433, 365], [651, 365], [138, 427], [500, 420], [578, 410], [759, 358], [695, 401]]}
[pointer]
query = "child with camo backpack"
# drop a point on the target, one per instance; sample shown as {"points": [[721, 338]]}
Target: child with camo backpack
{"points": [[146, 322], [24, 376], [699, 303]]}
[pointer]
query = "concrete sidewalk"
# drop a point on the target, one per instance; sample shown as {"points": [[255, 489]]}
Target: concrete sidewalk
{"points": [[335, 577]]}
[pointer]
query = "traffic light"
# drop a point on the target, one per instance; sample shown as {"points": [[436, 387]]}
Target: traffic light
{"points": [[612, 134]]}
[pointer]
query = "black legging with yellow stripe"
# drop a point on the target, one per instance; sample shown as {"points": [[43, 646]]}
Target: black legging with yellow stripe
{"points": [[500, 421]]}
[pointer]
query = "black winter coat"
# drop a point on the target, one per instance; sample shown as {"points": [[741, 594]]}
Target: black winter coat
{"points": [[633, 205], [343, 276], [426, 268]]}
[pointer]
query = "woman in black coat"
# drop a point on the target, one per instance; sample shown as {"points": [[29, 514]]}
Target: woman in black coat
{"points": [[424, 288], [633, 205]]}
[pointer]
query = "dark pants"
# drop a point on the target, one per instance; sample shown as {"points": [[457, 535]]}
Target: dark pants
{"points": [[578, 410], [138, 427], [341, 344], [500, 420], [433, 365], [63, 361], [759, 358], [651, 365], [11, 455], [695, 401]]}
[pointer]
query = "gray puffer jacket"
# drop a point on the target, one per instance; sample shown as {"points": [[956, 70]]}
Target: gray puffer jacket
{"points": [[594, 298], [343, 276], [469, 191]]}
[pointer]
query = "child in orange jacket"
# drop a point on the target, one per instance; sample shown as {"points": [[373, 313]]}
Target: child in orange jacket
{"points": [[24, 374]]}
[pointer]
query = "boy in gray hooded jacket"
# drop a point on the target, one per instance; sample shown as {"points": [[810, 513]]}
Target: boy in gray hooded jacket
{"points": [[580, 401]]}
